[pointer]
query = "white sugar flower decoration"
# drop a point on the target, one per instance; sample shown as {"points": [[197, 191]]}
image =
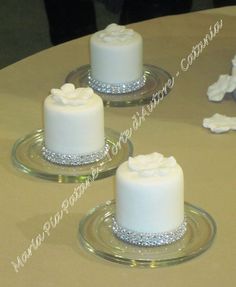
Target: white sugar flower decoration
{"points": [[69, 95], [220, 123], [151, 164], [114, 33], [234, 66], [225, 84]]}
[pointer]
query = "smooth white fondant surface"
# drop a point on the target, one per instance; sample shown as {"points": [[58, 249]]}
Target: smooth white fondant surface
{"points": [[150, 194], [116, 55], [73, 121]]}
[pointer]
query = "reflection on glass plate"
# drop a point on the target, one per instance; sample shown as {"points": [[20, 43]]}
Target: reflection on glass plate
{"points": [[96, 236], [27, 157], [156, 79]]}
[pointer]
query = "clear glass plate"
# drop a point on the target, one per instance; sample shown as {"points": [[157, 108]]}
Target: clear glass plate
{"points": [[96, 236], [27, 157], [156, 79]]}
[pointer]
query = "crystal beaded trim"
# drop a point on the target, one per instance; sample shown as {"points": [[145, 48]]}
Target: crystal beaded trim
{"points": [[116, 88], [72, 159], [148, 239]]}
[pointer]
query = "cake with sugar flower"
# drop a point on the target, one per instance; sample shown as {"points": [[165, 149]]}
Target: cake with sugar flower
{"points": [[116, 59], [73, 126], [149, 200]]}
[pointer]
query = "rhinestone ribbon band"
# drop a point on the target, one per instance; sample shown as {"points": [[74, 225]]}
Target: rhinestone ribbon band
{"points": [[73, 160], [148, 239], [116, 88]]}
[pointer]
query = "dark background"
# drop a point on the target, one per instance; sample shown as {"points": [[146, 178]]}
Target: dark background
{"points": [[27, 26]]}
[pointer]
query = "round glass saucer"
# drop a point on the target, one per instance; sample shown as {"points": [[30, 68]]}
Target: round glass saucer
{"points": [[96, 236], [27, 157], [156, 79]]}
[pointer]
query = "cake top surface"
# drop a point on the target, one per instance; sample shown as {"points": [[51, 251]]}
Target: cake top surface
{"points": [[116, 34], [154, 164], [69, 95]]}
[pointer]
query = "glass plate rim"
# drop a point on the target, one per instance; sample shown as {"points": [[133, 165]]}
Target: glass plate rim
{"points": [[149, 69], [147, 263], [60, 178]]}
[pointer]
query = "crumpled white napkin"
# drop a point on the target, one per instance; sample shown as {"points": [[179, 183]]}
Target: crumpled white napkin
{"points": [[224, 84], [220, 123]]}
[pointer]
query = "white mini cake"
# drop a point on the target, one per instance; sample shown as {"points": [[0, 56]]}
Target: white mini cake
{"points": [[73, 125], [116, 57], [149, 200]]}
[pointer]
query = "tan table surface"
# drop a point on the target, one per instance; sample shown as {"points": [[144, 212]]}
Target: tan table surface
{"points": [[174, 128]]}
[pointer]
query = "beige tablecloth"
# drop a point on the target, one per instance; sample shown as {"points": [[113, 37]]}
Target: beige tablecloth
{"points": [[174, 128]]}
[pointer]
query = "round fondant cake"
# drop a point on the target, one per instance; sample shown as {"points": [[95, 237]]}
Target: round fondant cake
{"points": [[149, 200], [116, 58], [73, 126]]}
